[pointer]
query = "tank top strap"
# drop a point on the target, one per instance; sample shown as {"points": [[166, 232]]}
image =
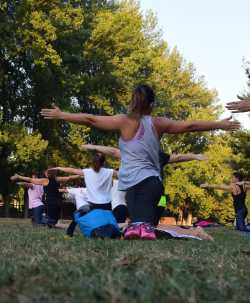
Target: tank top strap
{"points": [[148, 123]]}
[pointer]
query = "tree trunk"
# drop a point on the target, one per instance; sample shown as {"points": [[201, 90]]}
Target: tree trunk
{"points": [[185, 217], [26, 204], [180, 217], [6, 201], [189, 218]]}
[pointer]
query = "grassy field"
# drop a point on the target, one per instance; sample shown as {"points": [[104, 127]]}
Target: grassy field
{"points": [[41, 265]]}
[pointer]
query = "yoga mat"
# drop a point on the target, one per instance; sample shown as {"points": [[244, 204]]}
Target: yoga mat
{"points": [[245, 233]]}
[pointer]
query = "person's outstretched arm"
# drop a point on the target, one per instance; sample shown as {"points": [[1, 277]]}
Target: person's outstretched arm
{"points": [[37, 181], [117, 122], [186, 157], [69, 178], [217, 186], [239, 106], [165, 125], [69, 170], [25, 184], [63, 190], [106, 150], [245, 184], [103, 122]]}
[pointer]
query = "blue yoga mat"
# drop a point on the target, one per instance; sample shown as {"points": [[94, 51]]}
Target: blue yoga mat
{"points": [[245, 233]]}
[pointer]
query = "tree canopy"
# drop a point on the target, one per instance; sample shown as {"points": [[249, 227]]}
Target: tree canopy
{"points": [[88, 56]]}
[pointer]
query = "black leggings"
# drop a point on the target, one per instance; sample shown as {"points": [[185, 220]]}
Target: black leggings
{"points": [[160, 210], [54, 209], [142, 200], [121, 213]]}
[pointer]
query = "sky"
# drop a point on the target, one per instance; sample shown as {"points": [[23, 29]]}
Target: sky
{"points": [[212, 34]]}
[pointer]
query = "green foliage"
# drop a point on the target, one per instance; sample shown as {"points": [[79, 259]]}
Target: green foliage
{"points": [[183, 180], [20, 151], [88, 56], [240, 143]]}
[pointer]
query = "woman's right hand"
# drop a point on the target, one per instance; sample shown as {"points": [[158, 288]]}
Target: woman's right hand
{"points": [[52, 113], [229, 124]]}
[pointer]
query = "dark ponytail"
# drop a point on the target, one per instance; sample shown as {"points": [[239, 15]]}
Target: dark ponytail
{"points": [[98, 161], [143, 98]]}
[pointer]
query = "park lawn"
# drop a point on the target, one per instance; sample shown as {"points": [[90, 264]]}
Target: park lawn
{"points": [[41, 265]]}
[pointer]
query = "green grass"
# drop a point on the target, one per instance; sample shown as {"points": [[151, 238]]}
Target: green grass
{"points": [[40, 265]]}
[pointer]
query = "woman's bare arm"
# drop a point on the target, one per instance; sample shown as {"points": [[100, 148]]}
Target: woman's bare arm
{"points": [[102, 122], [164, 125], [223, 187], [106, 150], [243, 183], [63, 190], [69, 170], [25, 184], [68, 178], [37, 181], [177, 158]]}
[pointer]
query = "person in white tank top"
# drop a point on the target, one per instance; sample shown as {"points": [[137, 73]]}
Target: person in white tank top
{"points": [[98, 181], [79, 196]]}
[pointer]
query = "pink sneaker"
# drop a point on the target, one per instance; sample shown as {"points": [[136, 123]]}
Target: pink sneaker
{"points": [[147, 232], [133, 231]]}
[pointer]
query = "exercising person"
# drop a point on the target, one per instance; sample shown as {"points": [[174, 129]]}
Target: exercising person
{"points": [[79, 196], [35, 197], [51, 183], [139, 144], [238, 189], [119, 205], [98, 181]]}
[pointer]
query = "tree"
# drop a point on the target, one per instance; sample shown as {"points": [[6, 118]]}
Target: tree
{"points": [[183, 182], [88, 56], [19, 151]]}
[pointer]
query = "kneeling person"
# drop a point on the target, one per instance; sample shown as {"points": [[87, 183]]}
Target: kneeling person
{"points": [[82, 205]]}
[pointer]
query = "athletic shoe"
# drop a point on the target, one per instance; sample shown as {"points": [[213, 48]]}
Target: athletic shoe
{"points": [[133, 231], [147, 231]]}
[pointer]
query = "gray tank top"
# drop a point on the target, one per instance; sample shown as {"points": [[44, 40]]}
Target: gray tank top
{"points": [[140, 155]]}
